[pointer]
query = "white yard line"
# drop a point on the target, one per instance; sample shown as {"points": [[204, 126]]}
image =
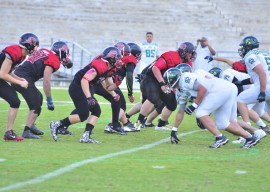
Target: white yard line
{"points": [[84, 162]]}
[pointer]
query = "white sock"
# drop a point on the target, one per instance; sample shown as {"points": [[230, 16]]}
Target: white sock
{"points": [[260, 123]]}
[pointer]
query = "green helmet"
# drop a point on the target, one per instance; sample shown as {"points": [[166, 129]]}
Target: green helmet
{"points": [[247, 44], [183, 67], [215, 71], [172, 76]]}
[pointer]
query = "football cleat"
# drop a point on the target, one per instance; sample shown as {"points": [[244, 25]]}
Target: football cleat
{"points": [[12, 136], [219, 141], [63, 131], [239, 140], [35, 130], [54, 125], [129, 127], [250, 142], [29, 135]]}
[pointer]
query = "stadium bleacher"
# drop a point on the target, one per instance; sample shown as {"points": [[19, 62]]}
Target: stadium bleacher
{"points": [[96, 24], [84, 21]]}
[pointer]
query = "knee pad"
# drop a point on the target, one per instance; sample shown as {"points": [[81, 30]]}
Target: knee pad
{"points": [[96, 111], [171, 105], [15, 104], [83, 116], [123, 103], [159, 107], [37, 111]]}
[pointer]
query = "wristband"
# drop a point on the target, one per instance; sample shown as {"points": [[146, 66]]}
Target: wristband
{"points": [[162, 83], [174, 129], [195, 105], [49, 98]]}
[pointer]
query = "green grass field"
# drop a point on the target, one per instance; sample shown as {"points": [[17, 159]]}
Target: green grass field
{"points": [[145, 161]]}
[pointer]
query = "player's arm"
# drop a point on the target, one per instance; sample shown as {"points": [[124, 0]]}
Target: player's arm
{"points": [[157, 67], [5, 75], [86, 79], [262, 75], [129, 77], [108, 84], [47, 80], [201, 92], [211, 49], [228, 61], [179, 115]]}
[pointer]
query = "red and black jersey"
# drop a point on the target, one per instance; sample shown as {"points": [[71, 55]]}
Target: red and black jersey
{"points": [[33, 68], [100, 66], [239, 66], [166, 61], [15, 53]]}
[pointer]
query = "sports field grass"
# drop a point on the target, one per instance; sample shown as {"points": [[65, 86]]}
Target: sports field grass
{"points": [[139, 162]]}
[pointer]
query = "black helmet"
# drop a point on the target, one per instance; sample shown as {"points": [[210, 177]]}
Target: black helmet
{"points": [[29, 41], [62, 51], [187, 47], [215, 71], [135, 50], [112, 55], [183, 67], [124, 48], [172, 76], [247, 44]]}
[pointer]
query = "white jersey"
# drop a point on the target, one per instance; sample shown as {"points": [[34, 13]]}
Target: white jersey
{"points": [[229, 74], [220, 97], [200, 62], [150, 51], [254, 58]]}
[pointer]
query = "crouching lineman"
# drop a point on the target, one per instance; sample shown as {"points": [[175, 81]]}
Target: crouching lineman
{"points": [[154, 89], [81, 91], [131, 56], [234, 76], [213, 96]]}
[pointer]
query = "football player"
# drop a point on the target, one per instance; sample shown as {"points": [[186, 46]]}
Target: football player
{"points": [[130, 59], [257, 65], [82, 90], [41, 64], [208, 89], [234, 76], [10, 57], [155, 91]]}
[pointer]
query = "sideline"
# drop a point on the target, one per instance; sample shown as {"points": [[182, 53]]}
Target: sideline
{"points": [[84, 162]]}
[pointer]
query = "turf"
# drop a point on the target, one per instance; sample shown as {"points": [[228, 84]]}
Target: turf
{"points": [[188, 166]]}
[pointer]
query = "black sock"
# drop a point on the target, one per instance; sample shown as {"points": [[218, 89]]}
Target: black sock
{"points": [[161, 123], [141, 118], [126, 123], [26, 128], [65, 122], [89, 127], [128, 116], [115, 125]]}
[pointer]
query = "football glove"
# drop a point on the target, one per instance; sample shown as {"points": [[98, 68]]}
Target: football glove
{"points": [[209, 58], [139, 77], [131, 98], [261, 97], [189, 110], [91, 101], [50, 104], [116, 98], [174, 138]]}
